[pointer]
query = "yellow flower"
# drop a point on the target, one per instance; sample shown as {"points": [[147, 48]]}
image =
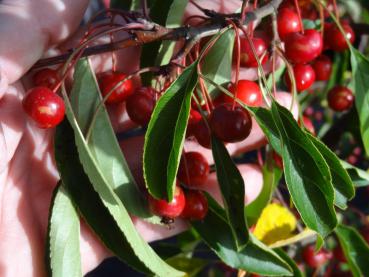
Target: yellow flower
{"points": [[275, 223]]}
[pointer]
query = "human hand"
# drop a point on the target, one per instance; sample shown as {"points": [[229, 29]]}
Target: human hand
{"points": [[27, 170]]}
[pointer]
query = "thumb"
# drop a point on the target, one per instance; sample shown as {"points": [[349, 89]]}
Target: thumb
{"points": [[30, 28]]}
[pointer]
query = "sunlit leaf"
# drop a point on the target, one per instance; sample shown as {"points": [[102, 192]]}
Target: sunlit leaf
{"points": [[355, 248], [232, 188], [306, 173], [165, 135], [64, 233]]}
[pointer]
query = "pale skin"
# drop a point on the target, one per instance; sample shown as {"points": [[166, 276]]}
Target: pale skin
{"points": [[27, 170]]}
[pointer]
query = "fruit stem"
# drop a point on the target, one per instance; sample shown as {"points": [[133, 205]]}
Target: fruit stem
{"points": [[261, 72], [252, 22], [260, 158], [238, 62], [321, 15], [113, 57], [299, 15], [245, 3], [335, 8]]}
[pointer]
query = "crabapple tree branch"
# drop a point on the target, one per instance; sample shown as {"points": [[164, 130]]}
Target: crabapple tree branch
{"points": [[154, 32]]}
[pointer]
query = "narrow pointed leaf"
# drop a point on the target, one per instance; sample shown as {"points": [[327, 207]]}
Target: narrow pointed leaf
{"points": [[232, 188], [64, 233], [99, 205], [103, 145], [192, 266], [265, 120], [165, 135], [360, 85], [358, 176], [217, 64], [355, 248], [167, 13], [174, 19], [341, 180], [307, 174], [255, 257], [344, 188]]}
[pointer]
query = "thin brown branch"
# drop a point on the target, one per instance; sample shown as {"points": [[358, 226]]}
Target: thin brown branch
{"points": [[154, 32]]}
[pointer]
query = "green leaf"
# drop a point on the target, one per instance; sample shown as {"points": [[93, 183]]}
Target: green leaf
{"points": [[255, 257], [360, 85], [167, 13], [290, 261], [271, 177], [217, 64], [165, 135], [343, 186], [174, 19], [99, 205], [358, 176], [341, 180], [103, 146], [232, 187], [307, 174], [63, 245], [355, 248], [192, 266], [265, 120]]}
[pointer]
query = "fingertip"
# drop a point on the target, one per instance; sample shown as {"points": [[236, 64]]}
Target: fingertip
{"points": [[152, 232], [252, 176]]}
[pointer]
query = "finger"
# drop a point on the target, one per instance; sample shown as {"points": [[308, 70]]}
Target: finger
{"points": [[252, 177], [222, 6], [30, 27], [12, 123]]}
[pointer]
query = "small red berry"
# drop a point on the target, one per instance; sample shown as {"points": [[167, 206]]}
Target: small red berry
{"points": [[202, 133], [339, 255], [340, 98], [46, 78], [247, 56], [193, 169], [304, 77], [44, 106], [335, 40], [230, 124], [313, 259], [193, 120], [109, 80], [364, 231], [288, 22], [166, 209], [196, 206], [303, 48], [323, 68], [247, 91], [352, 159], [278, 160], [140, 105]]}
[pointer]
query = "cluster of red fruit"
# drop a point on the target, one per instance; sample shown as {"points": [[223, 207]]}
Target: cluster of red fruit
{"points": [[193, 172], [47, 109], [303, 48]]}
